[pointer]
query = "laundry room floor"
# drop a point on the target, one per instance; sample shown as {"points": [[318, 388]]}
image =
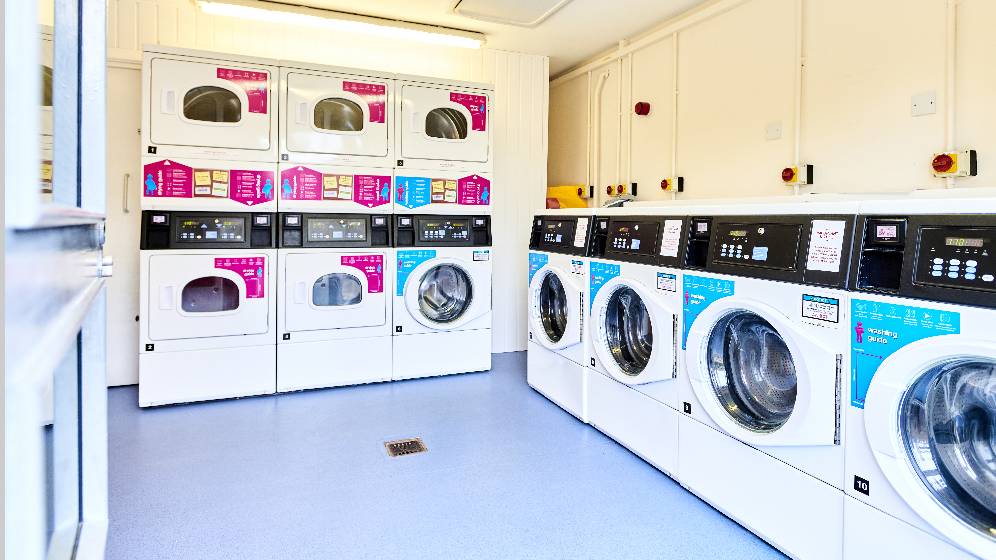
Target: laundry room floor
{"points": [[305, 475]]}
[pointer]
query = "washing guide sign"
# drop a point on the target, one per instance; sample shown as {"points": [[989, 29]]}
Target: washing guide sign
{"points": [[478, 107], [598, 274], [409, 261], [375, 96], [536, 262], [372, 266], [305, 183], [699, 292], [253, 83], [415, 192], [251, 269], [880, 329], [171, 179]]}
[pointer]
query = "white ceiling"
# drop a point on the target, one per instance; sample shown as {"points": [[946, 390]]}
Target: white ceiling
{"points": [[577, 31]]}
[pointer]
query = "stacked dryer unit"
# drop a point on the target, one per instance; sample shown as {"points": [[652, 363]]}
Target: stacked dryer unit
{"points": [[764, 332], [558, 283], [208, 308], [335, 256], [921, 410], [633, 342]]}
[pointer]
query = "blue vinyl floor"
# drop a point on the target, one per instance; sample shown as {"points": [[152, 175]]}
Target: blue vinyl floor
{"points": [[305, 475]]}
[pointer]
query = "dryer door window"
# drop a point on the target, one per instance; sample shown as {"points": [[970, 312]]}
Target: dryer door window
{"points": [[338, 115], [553, 307], [948, 424], [447, 123], [444, 293], [752, 371], [209, 294], [212, 104], [336, 290], [629, 333]]}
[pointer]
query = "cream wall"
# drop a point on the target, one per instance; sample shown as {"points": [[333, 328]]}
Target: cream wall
{"points": [[519, 115], [741, 68]]}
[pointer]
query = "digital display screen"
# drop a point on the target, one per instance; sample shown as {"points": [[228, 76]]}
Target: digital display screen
{"points": [[738, 233], [964, 242], [211, 229], [337, 229], [886, 232], [443, 230]]}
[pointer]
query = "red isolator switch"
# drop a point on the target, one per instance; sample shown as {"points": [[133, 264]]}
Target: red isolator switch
{"points": [[620, 189], [642, 108], [955, 164], [608, 190], [673, 184], [801, 174]]}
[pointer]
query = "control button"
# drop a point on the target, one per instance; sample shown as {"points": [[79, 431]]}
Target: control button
{"points": [[938, 267], [969, 277], [952, 275], [938, 261], [954, 262], [971, 263], [970, 270], [936, 273], [987, 277]]}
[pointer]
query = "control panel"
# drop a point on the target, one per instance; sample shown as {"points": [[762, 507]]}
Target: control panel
{"points": [[638, 237], [334, 230], [196, 229], [765, 245], [957, 257], [560, 234], [205, 230], [424, 230], [337, 229]]}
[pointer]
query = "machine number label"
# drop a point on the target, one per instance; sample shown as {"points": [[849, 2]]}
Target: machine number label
{"points": [[667, 282], [819, 308], [862, 485]]}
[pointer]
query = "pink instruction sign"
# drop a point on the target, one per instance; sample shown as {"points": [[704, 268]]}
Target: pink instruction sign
{"points": [[251, 269], [371, 190], [375, 96], [251, 187], [474, 190], [168, 179], [478, 107], [254, 83], [372, 266], [300, 183]]}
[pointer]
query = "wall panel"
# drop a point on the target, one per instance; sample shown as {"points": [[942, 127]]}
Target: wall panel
{"points": [[651, 79], [568, 161], [976, 87]]}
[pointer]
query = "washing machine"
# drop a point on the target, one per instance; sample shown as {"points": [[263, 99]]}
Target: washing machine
{"points": [[336, 116], [207, 314], [443, 125], [764, 315], [442, 298], [921, 410], [558, 281], [335, 188], [208, 185], [333, 300], [204, 105], [442, 191], [632, 342]]}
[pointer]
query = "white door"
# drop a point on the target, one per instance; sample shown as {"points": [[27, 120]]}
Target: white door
{"points": [[206, 296], [323, 293], [930, 417], [447, 293], [760, 378], [444, 124], [555, 308], [633, 333], [335, 114], [214, 105]]}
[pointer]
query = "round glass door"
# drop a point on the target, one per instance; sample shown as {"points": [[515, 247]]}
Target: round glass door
{"points": [[553, 307], [444, 293], [628, 331], [752, 371], [948, 424]]}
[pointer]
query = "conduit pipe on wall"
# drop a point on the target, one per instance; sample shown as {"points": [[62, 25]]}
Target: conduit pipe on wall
{"points": [[619, 116], [588, 131], [951, 61], [800, 63], [674, 111], [597, 130]]}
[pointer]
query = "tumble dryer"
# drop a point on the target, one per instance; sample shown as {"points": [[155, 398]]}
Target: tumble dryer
{"points": [[328, 188], [333, 303], [632, 337], [764, 339], [204, 105], [443, 125], [336, 116], [207, 307], [921, 411], [558, 280], [442, 299]]}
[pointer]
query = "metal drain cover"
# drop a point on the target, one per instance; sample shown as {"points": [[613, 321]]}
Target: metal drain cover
{"points": [[409, 446]]}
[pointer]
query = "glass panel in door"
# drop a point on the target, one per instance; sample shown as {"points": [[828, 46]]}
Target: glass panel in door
{"points": [[447, 123], [338, 115], [212, 104], [948, 425], [629, 332], [444, 293], [337, 290], [553, 307], [752, 371]]}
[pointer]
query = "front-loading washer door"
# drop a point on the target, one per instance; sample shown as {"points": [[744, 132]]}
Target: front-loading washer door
{"points": [[336, 114], [762, 379], [930, 416], [320, 293], [207, 295], [555, 308], [634, 334], [446, 293]]}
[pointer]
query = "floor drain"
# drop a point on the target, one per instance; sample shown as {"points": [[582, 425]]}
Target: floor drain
{"points": [[409, 446]]}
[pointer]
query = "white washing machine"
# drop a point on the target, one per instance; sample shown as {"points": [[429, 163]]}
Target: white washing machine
{"points": [[337, 116], [558, 281], [921, 411], [334, 306], [442, 191], [443, 124], [334, 188], [442, 298], [764, 342], [633, 330], [207, 306], [205, 105], [208, 184]]}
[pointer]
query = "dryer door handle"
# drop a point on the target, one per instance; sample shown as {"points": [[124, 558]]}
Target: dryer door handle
{"points": [[416, 125], [166, 297], [302, 112], [299, 293], [167, 102]]}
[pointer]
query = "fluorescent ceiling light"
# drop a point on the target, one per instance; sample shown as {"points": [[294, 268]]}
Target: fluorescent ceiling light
{"points": [[275, 12]]}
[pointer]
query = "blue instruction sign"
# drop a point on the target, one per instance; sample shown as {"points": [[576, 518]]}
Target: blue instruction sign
{"points": [[413, 192], [598, 274], [536, 262], [701, 291], [407, 262]]}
